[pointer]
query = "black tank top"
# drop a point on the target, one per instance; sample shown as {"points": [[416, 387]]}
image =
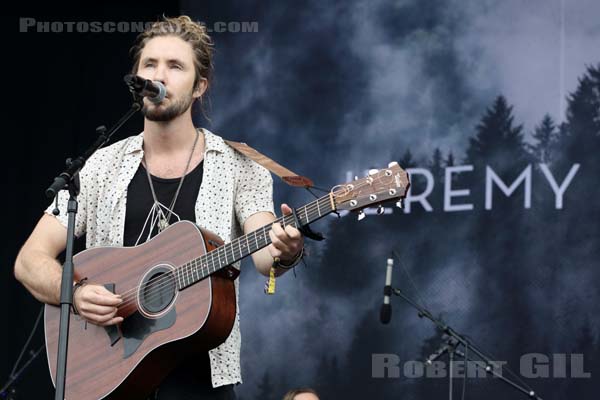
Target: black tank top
{"points": [[140, 201]]}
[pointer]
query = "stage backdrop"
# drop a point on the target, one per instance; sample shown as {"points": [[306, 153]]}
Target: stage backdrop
{"points": [[493, 108]]}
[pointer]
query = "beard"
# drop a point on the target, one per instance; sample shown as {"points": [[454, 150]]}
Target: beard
{"points": [[158, 114]]}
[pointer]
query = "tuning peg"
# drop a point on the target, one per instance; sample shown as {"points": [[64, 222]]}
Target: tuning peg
{"points": [[392, 164], [373, 171], [355, 177], [380, 210], [361, 215], [399, 204]]}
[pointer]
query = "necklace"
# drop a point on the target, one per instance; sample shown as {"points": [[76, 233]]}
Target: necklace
{"points": [[158, 209]]}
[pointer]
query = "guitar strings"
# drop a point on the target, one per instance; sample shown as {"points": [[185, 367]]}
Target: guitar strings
{"points": [[167, 278]]}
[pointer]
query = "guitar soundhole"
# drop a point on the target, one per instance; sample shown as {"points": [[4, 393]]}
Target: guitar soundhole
{"points": [[158, 290]]}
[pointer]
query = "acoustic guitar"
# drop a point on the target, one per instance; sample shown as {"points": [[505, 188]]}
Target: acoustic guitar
{"points": [[178, 295]]}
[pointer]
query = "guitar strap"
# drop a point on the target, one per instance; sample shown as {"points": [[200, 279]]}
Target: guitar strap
{"points": [[285, 174], [289, 177]]}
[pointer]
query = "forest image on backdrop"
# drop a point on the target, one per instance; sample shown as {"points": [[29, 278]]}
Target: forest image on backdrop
{"points": [[516, 279]]}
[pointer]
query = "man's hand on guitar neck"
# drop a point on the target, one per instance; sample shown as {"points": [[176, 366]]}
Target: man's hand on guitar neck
{"points": [[97, 305], [286, 244]]}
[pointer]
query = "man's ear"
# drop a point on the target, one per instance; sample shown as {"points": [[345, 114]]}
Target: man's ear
{"points": [[200, 88]]}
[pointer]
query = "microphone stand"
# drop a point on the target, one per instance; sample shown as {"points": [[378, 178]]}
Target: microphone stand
{"points": [[69, 180], [455, 340], [15, 374], [5, 393]]}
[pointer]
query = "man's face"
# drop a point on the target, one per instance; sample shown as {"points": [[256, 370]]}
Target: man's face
{"points": [[170, 60], [305, 396]]}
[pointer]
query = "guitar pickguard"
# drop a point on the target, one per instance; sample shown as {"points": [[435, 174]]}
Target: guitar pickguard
{"points": [[136, 328]]}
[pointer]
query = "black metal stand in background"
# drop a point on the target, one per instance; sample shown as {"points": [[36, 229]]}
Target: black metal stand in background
{"points": [[68, 180], [455, 340], [9, 390]]}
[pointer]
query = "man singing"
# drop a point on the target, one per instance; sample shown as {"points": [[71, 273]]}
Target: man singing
{"points": [[172, 171]]}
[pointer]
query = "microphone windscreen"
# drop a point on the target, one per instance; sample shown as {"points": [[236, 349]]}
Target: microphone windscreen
{"points": [[385, 314]]}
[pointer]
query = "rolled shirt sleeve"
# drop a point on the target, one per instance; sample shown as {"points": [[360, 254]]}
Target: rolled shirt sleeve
{"points": [[254, 191], [63, 200]]}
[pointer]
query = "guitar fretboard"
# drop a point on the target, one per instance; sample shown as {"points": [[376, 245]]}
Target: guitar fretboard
{"points": [[199, 268]]}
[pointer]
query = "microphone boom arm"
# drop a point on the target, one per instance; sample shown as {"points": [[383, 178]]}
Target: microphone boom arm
{"points": [[489, 366]]}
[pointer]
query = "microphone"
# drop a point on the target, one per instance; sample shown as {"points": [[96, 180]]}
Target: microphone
{"points": [[385, 314], [155, 91]]}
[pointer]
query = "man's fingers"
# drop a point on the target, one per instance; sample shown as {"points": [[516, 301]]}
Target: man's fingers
{"points": [[97, 315], [280, 237], [98, 319], [278, 230], [285, 209], [113, 321], [288, 231], [91, 308], [110, 321], [278, 243], [285, 241], [98, 305], [286, 235], [103, 299], [273, 251], [292, 232], [101, 290]]}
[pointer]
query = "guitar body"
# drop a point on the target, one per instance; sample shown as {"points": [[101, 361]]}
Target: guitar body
{"points": [[162, 325]]}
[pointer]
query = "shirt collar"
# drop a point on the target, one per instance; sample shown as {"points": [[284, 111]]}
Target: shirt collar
{"points": [[135, 144], [212, 142]]}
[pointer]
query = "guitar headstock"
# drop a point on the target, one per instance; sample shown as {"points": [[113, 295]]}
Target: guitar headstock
{"points": [[378, 187]]}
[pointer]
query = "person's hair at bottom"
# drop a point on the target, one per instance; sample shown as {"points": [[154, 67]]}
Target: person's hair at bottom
{"points": [[294, 392]]}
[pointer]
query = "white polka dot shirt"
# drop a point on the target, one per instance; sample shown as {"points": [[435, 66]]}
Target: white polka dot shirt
{"points": [[233, 188]]}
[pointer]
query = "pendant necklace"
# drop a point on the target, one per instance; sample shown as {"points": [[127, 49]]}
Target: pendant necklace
{"points": [[158, 209]]}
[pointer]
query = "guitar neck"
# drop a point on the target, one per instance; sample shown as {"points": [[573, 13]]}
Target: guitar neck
{"points": [[243, 246]]}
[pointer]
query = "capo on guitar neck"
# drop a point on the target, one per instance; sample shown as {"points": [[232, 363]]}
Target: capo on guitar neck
{"points": [[305, 229]]}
